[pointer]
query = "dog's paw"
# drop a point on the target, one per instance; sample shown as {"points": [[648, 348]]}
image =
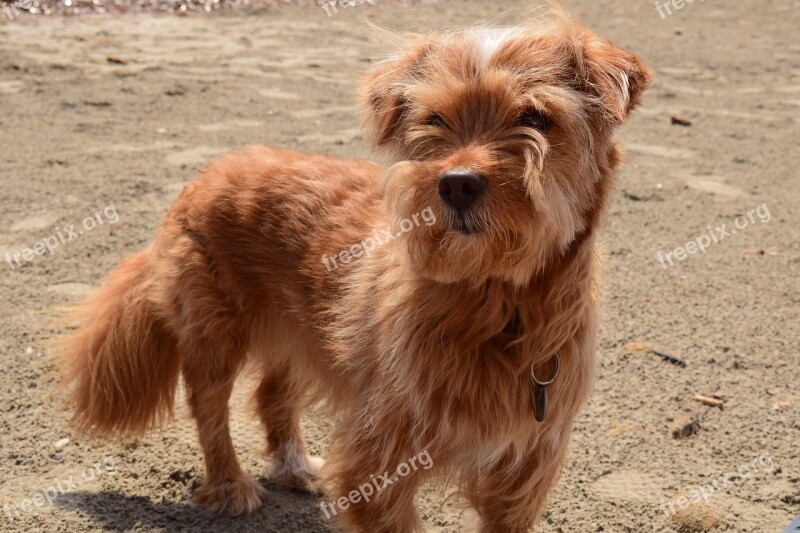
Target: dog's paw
{"points": [[299, 473], [236, 496]]}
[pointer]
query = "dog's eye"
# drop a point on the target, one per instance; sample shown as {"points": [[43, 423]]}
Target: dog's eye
{"points": [[436, 120], [533, 118]]}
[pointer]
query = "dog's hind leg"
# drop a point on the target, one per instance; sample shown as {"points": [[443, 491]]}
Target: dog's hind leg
{"points": [[211, 328], [280, 397], [209, 372]]}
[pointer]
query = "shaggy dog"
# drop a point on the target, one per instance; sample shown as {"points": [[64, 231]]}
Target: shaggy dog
{"points": [[440, 337]]}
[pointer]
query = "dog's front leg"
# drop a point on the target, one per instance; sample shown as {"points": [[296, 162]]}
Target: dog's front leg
{"points": [[511, 496], [371, 481]]}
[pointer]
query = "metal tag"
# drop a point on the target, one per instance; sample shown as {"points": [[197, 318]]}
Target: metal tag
{"points": [[540, 389], [539, 402]]}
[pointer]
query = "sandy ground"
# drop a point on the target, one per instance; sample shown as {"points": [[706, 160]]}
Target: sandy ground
{"points": [[80, 133]]}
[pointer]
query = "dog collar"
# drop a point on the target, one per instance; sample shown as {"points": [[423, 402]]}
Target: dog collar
{"points": [[514, 325], [540, 388]]}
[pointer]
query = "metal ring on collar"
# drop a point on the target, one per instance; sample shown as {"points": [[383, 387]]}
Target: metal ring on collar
{"points": [[535, 382]]}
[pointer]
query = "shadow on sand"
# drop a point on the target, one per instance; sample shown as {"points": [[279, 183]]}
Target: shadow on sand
{"points": [[284, 510]]}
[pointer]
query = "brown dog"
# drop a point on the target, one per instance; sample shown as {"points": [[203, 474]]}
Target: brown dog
{"points": [[434, 336]]}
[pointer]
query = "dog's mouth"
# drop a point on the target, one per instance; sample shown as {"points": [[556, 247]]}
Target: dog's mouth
{"points": [[465, 226]]}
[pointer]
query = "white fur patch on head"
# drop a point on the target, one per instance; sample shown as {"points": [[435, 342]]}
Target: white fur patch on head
{"points": [[489, 40]]}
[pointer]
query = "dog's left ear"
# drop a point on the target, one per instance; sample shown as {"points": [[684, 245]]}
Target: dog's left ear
{"points": [[383, 93], [617, 77]]}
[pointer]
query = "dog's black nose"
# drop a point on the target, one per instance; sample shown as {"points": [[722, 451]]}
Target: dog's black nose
{"points": [[461, 187]]}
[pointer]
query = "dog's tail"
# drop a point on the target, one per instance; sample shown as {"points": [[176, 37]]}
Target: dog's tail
{"points": [[121, 365]]}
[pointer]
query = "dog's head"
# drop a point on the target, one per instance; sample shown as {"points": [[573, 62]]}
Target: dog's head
{"points": [[505, 134]]}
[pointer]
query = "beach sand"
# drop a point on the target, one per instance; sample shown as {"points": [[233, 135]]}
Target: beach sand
{"points": [[116, 111]]}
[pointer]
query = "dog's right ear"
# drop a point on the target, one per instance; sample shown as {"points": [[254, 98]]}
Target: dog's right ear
{"points": [[383, 93]]}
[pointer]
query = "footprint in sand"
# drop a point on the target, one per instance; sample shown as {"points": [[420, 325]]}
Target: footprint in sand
{"points": [[70, 288], [662, 111], [661, 151], [343, 137], [680, 71], [626, 485], [278, 94], [229, 125], [685, 89], [311, 112], [176, 187], [194, 156], [11, 86], [35, 222], [713, 185], [131, 148]]}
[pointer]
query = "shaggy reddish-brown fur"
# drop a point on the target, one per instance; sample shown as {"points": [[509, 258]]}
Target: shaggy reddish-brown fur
{"points": [[411, 344]]}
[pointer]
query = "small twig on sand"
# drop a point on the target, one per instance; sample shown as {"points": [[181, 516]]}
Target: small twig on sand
{"points": [[669, 358], [705, 400]]}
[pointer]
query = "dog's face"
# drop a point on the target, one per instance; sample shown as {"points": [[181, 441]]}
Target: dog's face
{"points": [[506, 134]]}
